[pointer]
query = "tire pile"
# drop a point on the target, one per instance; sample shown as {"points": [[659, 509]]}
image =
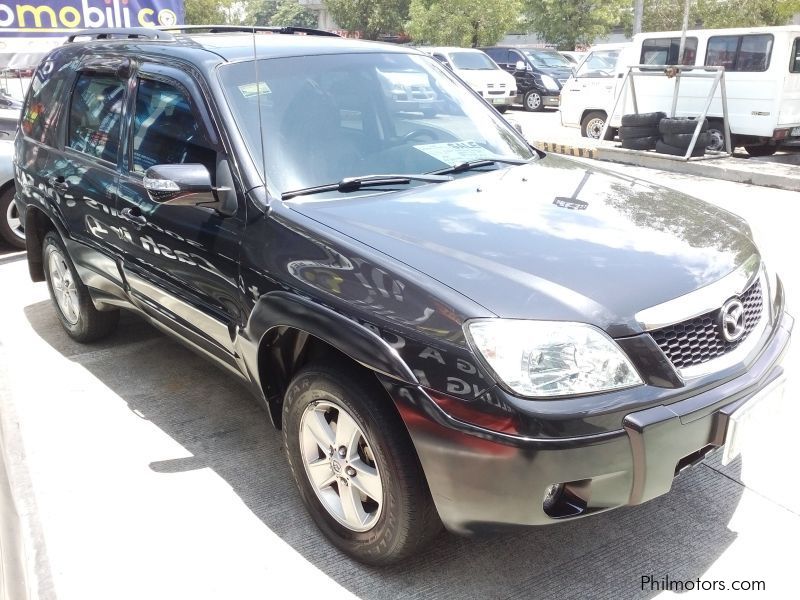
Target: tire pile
{"points": [[654, 131]]}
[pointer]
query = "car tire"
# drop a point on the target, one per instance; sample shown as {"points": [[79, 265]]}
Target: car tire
{"points": [[716, 135], [502, 109], [663, 148], [640, 143], [376, 533], [680, 125], [532, 101], [592, 126], [761, 150], [682, 140], [643, 119], [628, 132], [74, 306], [10, 226]]}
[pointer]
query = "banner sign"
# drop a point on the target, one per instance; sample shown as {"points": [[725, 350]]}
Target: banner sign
{"points": [[59, 17]]}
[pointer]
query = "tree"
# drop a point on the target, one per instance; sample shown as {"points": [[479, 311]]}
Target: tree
{"points": [[206, 12], [370, 17], [667, 15], [290, 12], [260, 12], [462, 22], [568, 24]]}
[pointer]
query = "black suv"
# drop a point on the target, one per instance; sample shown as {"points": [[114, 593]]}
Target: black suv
{"points": [[448, 325], [540, 73]]}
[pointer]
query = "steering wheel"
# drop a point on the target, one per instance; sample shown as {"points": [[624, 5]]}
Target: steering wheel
{"points": [[431, 134]]}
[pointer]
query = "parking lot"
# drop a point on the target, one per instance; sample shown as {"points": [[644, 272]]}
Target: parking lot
{"points": [[144, 472]]}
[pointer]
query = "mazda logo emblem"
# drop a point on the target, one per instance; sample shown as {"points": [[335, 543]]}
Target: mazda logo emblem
{"points": [[731, 320]]}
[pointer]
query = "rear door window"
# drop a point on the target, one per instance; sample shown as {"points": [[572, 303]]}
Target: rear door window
{"points": [[740, 53], [665, 51], [794, 65], [95, 115]]}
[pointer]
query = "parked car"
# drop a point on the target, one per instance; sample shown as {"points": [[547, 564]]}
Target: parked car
{"points": [[11, 230], [480, 72], [762, 74], [539, 73], [588, 95], [447, 325]]}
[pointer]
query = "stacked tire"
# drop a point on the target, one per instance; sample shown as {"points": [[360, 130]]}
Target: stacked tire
{"points": [[641, 131], [676, 136]]}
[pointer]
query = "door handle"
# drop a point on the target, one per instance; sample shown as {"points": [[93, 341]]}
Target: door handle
{"points": [[134, 217], [59, 183]]}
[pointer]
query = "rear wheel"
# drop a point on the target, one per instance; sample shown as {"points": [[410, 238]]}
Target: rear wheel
{"points": [[355, 467], [81, 320], [11, 229], [762, 150]]}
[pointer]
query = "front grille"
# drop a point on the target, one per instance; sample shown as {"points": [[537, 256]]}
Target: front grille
{"points": [[699, 340]]}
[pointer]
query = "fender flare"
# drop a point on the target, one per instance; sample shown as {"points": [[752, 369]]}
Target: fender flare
{"points": [[276, 311]]}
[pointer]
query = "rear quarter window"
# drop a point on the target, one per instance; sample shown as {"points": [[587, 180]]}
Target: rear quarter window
{"points": [[794, 64], [43, 103]]}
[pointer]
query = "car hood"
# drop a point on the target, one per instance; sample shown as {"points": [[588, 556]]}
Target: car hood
{"points": [[556, 73], [551, 240]]}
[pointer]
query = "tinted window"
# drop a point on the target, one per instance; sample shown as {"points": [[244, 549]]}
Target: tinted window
{"points": [[739, 52], [499, 55], [41, 109], [794, 66], [600, 63], [165, 130], [472, 61], [96, 115], [665, 51]]}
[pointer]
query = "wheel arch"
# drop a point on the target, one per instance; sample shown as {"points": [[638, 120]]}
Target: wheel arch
{"points": [[586, 112], [286, 331], [37, 224]]}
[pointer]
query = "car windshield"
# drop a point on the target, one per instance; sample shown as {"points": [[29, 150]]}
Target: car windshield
{"points": [[551, 60], [324, 118], [472, 61]]}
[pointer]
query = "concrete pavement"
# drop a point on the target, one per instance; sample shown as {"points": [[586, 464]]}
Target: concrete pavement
{"points": [[153, 475]]}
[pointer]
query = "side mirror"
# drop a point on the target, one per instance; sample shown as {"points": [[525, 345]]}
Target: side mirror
{"points": [[187, 184], [520, 66]]}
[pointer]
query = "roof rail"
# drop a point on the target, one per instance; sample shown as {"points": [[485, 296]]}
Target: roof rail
{"points": [[288, 30], [108, 33]]}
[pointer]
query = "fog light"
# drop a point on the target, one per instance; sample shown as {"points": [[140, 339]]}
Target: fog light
{"points": [[551, 496]]}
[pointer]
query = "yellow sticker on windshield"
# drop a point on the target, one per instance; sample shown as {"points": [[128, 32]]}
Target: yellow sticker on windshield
{"points": [[259, 88]]}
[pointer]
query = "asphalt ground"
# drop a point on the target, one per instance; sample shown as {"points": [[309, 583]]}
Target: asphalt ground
{"points": [[143, 472]]}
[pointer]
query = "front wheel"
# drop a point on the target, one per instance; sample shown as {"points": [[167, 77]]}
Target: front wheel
{"points": [[762, 150], [592, 126], [502, 109], [81, 320], [532, 101], [355, 466]]}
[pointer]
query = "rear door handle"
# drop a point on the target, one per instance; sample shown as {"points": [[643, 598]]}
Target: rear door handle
{"points": [[59, 183], [134, 216]]}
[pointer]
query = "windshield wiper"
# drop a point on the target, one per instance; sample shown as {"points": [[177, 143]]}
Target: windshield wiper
{"points": [[352, 184], [477, 164]]}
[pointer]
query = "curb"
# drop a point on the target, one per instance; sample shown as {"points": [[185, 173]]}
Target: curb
{"points": [[774, 175]]}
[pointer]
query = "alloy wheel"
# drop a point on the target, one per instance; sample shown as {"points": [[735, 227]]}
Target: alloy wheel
{"points": [[594, 128], [64, 290], [340, 465], [13, 220], [534, 101]]}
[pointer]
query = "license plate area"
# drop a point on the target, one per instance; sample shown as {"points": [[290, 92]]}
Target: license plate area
{"points": [[764, 407]]}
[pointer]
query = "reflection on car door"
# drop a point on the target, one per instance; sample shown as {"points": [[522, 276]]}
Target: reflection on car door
{"points": [[181, 262], [84, 176]]}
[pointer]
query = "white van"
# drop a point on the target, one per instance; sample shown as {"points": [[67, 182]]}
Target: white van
{"points": [[762, 73], [480, 72]]}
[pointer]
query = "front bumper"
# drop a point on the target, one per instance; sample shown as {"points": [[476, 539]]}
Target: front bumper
{"points": [[485, 480]]}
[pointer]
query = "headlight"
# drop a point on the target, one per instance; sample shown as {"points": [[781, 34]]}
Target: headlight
{"points": [[551, 358], [550, 83]]}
